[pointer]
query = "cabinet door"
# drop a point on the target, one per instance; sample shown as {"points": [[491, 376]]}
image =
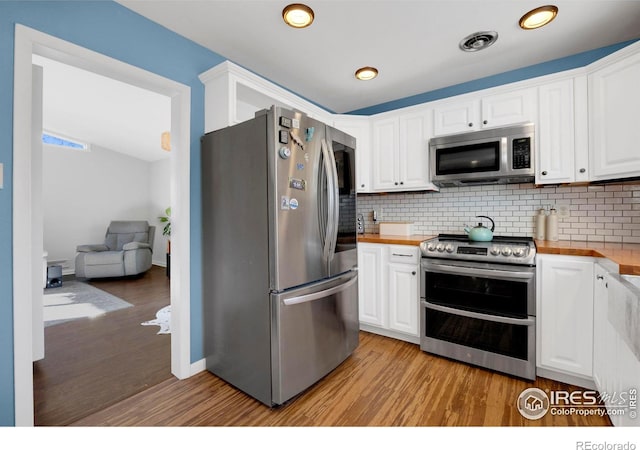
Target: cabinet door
{"points": [[509, 108], [614, 109], [414, 151], [623, 365], [555, 158], [385, 154], [456, 117], [360, 128], [371, 284], [565, 313], [600, 353], [403, 298]]}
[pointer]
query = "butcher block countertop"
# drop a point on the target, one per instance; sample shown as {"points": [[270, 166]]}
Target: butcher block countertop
{"points": [[627, 256], [413, 239]]}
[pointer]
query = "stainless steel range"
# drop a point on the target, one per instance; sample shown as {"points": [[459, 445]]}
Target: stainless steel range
{"points": [[478, 302]]}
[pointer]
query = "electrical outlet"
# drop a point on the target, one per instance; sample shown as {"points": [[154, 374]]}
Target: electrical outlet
{"points": [[563, 210]]}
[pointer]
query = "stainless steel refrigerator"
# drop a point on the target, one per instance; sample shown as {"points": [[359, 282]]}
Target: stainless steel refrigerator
{"points": [[280, 280]]}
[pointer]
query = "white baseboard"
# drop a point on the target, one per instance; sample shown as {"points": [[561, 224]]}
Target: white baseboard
{"points": [[198, 366]]}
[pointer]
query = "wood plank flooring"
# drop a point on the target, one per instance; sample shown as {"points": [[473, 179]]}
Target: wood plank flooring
{"points": [[91, 364], [385, 382]]}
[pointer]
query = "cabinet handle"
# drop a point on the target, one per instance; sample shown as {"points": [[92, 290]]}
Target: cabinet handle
{"points": [[396, 183], [484, 122], [583, 170], [362, 185], [544, 172], [470, 124], [413, 273], [599, 277], [402, 182], [402, 254]]}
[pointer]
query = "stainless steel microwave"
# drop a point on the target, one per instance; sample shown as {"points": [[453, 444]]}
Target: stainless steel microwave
{"points": [[494, 156]]}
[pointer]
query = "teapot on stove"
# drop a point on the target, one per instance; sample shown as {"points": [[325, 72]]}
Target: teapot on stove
{"points": [[481, 233]]}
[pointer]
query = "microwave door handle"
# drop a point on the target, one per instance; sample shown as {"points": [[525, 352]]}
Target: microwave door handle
{"points": [[477, 315]]}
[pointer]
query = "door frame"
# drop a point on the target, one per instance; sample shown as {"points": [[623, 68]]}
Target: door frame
{"points": [[28, 42]]}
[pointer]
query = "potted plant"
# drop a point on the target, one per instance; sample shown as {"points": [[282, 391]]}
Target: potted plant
{"points": [[166, 231]]}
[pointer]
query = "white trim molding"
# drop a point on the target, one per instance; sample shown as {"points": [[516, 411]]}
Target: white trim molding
{"points": [[27, 43]]}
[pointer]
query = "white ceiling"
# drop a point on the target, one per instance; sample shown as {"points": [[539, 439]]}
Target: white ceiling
{"points": [[413, 43], [103, 112]]}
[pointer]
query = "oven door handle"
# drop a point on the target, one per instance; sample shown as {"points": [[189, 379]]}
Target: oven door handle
{"points": [[466, 271], [476, 315]]}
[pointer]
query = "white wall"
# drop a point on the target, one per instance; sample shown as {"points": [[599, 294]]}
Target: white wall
{"points": [[160, 199], [84, 191]]}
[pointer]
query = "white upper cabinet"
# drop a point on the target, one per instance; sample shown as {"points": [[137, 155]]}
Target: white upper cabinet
{"points": [[400, 156], [233, 94], [360, 128], [488, 111], [562, 136], [456, 117], [614, 113]]}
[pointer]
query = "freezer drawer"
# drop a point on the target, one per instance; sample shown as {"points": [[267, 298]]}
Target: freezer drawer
{"points": [[315, 328]]}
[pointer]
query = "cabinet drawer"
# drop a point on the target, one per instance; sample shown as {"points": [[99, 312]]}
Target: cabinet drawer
{"points": [[407, 254]]}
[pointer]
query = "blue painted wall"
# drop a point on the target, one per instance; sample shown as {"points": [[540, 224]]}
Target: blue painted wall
{"points": [[110, 29]]}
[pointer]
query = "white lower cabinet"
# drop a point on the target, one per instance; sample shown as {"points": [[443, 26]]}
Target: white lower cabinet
{"points": [[371, 284], [389, 298], [565, 316], [616, 367]]}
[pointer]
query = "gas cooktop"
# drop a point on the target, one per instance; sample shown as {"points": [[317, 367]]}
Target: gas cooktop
{"points": [[502, 249]]}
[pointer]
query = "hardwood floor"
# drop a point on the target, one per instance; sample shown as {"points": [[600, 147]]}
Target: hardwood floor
{"points": [[91, 364], [385, 382]]}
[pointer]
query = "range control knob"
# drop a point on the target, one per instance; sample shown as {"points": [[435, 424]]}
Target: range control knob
{"points": [[518, 252], [495, 251], [449, 248], [431, 246], [440, 247], [506, 251]]}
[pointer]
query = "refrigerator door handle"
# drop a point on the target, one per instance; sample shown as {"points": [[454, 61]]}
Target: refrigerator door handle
{"points": [[321, 294], [331, 230], [336, 203]]}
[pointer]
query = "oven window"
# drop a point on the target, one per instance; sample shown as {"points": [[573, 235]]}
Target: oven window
{"points": [[494, 337], [484, 295], [484, 157]]}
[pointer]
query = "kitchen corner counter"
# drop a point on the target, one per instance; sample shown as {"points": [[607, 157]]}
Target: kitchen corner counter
{"points": [[414, 239], [627, 256]]}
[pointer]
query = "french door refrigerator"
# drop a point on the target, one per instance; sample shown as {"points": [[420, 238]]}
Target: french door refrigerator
{"points": [[280, 281]]}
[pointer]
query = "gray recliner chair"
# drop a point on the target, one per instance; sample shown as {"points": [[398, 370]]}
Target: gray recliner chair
{"points": [[127, 250]]}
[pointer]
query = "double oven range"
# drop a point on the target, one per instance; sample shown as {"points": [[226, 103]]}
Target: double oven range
{"points": [[478, 302]]}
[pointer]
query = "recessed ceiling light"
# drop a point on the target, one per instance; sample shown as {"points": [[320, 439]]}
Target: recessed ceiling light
{"points": [[297, 15], [366, 73], [538, 17]]}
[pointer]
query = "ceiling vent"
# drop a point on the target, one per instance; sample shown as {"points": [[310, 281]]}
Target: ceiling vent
{"points": [[478, 41]]}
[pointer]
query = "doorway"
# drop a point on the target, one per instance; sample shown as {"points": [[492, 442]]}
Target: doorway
{"points": [[109, 165], [27, 216]]}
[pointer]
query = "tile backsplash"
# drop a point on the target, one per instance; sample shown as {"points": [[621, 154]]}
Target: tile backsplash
{"points": [[605, 213]]}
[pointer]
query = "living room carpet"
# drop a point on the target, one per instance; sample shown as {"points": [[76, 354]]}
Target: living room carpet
{"points": [[76, 300]]}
